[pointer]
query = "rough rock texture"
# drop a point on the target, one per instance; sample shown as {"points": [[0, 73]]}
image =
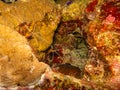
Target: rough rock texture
{"points": [[88, 29], [73, 9], [104, 33], [35, 19], [18, 65], [19, 12]]}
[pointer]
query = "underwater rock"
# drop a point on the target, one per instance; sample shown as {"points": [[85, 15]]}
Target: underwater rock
{"points": [[35, 19], [73, 9], [103, 34], [18, 64]]}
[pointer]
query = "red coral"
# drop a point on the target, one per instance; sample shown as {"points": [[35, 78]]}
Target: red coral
{"points": [[109, 19], [56, 54], [69, 26], [91, 6], [57, 59], [111, 8]]}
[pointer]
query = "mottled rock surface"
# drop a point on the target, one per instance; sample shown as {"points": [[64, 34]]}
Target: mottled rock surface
{"points": [[37, 19], [18, 64]]}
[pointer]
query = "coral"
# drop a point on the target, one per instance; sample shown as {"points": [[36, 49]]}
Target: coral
{"points": [[18, 64], [36, 20], [85, 51], [103, 33], [100, 27], [20, 12], [73, 9], [43, 31], [104, 37], [69, 45]]}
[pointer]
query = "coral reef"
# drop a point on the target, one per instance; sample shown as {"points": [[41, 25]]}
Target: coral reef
{"points": [[103, 33], [36, 20], [18, 64], [99, 29], [78, 39]]}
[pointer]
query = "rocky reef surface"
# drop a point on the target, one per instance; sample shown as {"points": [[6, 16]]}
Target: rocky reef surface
{"points": [[71, 44]]}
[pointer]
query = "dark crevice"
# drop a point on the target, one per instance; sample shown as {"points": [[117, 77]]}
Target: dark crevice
{"points": [[9, 1]]}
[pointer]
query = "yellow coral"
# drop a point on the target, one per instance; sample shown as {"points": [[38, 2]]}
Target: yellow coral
{"points": [[43, 15]]}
